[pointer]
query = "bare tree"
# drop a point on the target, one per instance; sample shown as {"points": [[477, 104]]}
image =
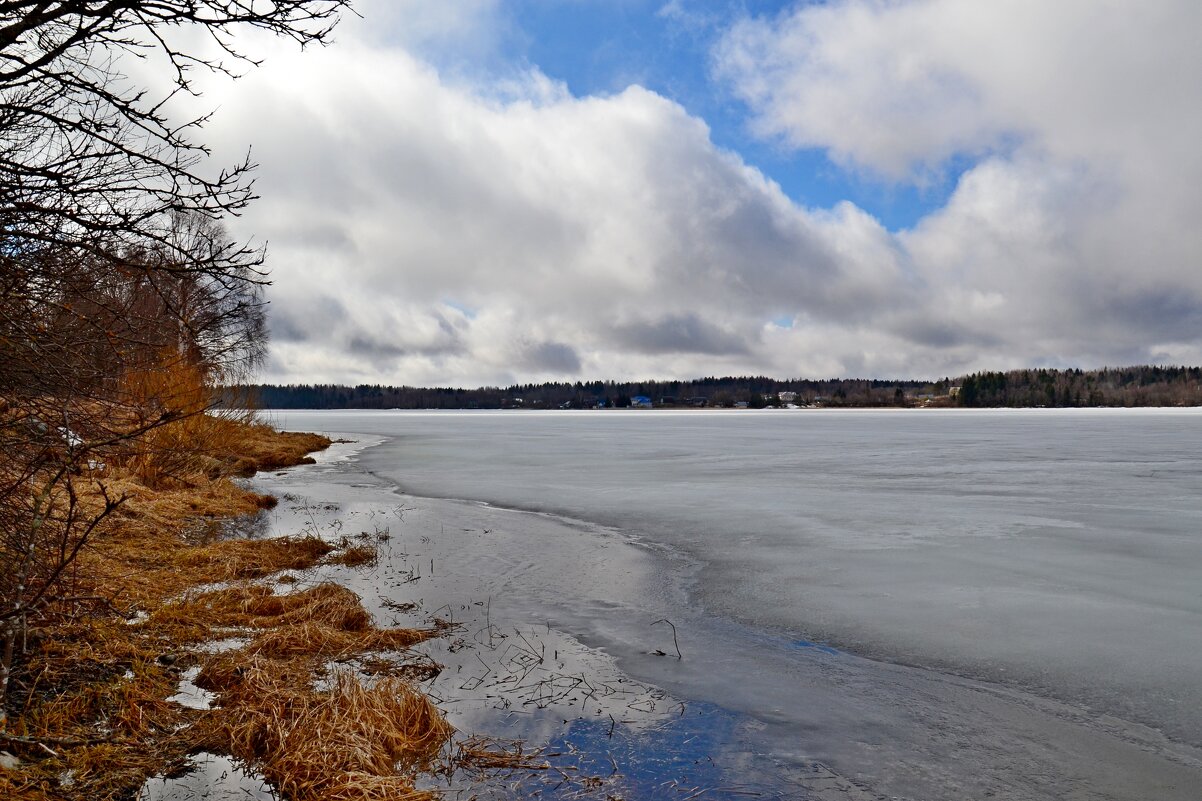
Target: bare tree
{"points": [[111, 254], [88, 159], [43, 527]]}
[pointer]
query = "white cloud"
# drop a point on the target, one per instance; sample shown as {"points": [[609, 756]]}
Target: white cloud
{"points": [[594, 236], [1073, 238], [895, 86], [431, 229]]}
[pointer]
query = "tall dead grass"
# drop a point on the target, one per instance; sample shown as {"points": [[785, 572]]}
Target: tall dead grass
{"points": [[183, 447], [201, 440], [348, 742], [89, 715], [325, 620], [96, 692]]}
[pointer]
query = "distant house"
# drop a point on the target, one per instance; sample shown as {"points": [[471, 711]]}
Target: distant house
{"points": [[698, 402], [787, 397], [742, 404], [640, 402]]}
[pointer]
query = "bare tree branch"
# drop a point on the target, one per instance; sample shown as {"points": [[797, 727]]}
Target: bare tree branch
{"points": [[117, 277]]}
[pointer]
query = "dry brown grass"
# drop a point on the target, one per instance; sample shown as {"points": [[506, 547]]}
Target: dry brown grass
{"points": [[360, 555], [326, 619], [309, 638], [258, 606], [348, 741], [233, 560], [138, 573], [88, 704], [96, 692], [200, 441], [487, 754], [157, 548], [19, 786], [263, 448], [95, 721]]}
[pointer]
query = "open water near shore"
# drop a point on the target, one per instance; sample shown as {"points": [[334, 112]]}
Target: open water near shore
{"points": [[924, 605]]}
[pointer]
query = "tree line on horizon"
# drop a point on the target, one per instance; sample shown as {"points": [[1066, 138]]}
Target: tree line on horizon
{"points": [[1146, 385], [755, 391]]}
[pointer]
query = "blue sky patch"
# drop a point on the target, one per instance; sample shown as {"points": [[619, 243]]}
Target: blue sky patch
{"points": [[600, 47]]}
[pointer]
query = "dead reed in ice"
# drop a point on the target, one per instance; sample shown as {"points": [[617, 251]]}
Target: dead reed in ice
{"points": [[360, 555]]}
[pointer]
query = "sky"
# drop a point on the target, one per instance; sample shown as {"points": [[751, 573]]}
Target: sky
{"points": [[479, 192]]}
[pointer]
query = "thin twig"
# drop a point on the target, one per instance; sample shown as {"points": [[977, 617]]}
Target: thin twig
{"points": [[674, 641]]}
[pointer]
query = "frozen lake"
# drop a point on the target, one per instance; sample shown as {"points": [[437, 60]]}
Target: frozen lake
{"points": [[937, 604]]}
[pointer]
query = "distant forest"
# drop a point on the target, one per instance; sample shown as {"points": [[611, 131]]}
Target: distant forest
{"points": [[1126, 386], [1121, 386]]}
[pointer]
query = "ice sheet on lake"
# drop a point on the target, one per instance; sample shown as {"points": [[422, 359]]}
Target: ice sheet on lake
{"points": [[1038, 571]]}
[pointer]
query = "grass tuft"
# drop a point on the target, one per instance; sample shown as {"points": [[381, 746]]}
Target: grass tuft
{"points": [[350, 741], [89, 714]]}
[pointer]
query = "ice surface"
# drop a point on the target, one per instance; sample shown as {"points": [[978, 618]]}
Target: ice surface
{"points": [[930, 604], [208, 777], [189, 695]]}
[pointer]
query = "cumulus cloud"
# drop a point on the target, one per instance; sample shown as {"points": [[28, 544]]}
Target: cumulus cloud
{"points": [[430, 228], [899, 85], [1072, 229], [468, 239]]}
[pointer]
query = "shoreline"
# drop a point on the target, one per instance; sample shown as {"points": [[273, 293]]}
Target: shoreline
{"points": [[551, 642], [509, 674], [891, 688], [213, 643]]}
